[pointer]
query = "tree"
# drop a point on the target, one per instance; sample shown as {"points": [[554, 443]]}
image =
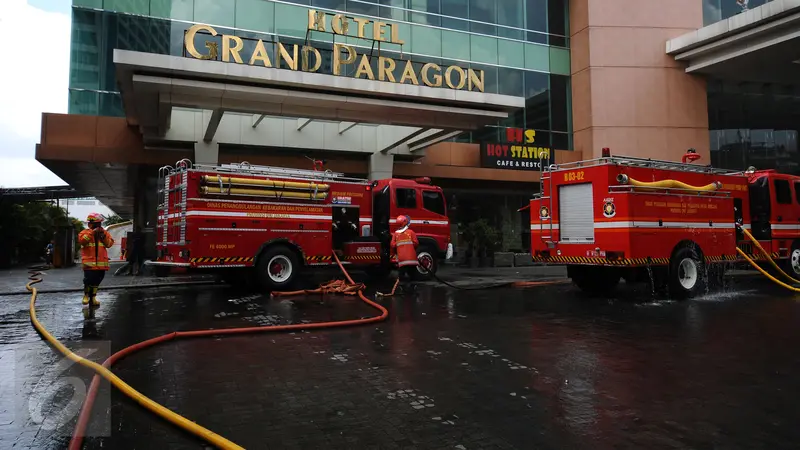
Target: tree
{"points": [[111, 220], [27, 227]]}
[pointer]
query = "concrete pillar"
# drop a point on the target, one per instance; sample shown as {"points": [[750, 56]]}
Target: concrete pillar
{"points": [[206, 152], [380, 166], [627, 93]]}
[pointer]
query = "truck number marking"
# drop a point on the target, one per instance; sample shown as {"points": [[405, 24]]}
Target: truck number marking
{"points": [[222, 246], [573, 176]]}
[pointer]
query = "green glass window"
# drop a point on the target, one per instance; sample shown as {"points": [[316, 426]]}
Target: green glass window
{"points": [[484, 49], [140, 7], [83, 102], [291, 20], [215, 12], [511, 53], [258, 15], [537, 57], [426, 41], [559, 61], [455, 45], [172, 9]]}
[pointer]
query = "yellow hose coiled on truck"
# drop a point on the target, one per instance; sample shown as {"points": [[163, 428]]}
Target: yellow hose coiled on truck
{"points": [[265, 193], [667, 184], [213, 179]]}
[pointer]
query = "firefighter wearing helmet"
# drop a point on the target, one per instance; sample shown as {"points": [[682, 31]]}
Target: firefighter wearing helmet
{"points": [[94, 257], [404, 244]]}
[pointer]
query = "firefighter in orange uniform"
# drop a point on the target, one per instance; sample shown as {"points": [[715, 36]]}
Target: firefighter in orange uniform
{"points": [[93, 242], [404, 245]]}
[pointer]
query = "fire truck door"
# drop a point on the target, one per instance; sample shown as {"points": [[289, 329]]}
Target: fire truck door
{"points": [[406, 203], [431, 220], [345, 225]]}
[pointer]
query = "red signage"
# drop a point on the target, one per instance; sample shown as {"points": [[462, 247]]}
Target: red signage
{"points": [[520, 151]]}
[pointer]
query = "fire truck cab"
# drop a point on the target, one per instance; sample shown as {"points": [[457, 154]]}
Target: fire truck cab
{"points": [[266, 224], [673, 224]]}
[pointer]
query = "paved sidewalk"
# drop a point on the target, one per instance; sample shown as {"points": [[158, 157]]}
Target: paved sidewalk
{"points": [[58, 280]]}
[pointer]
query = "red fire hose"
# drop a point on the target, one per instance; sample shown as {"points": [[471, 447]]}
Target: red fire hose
{"points": [[83, 420]]}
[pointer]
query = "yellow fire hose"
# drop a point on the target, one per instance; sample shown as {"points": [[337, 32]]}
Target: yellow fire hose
{"points": [[667, 184], [276, 184], [156, 408], [771, 261], [265, 193]]}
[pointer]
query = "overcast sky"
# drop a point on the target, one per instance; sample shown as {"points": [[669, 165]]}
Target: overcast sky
{"points": [[34, 80]]}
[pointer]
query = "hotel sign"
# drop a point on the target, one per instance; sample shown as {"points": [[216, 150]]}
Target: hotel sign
{"points": [[520, 151], [309, 59]]}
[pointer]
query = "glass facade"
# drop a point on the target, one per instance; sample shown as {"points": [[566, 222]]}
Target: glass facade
{"points": [[716, 10], [521, 45], [753, 124]]}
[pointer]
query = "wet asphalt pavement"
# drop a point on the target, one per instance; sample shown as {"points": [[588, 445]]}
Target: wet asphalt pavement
{"points": [[540, 367]]}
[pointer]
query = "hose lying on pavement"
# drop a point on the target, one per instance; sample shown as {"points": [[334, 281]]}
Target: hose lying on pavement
{"points": [[172, 417]]}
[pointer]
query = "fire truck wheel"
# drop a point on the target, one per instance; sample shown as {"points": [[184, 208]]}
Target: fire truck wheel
{"points": [[687, 273], [277, 268], [792, 265], [428, 263]]}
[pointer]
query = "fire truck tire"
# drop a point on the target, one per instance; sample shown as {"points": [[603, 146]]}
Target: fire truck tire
{"points": [[427, 260], [594, 280], [791, 265], [277, 267], [687, 273]]}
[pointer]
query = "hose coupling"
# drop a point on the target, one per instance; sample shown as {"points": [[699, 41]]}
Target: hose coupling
{"points": [[622, 179]]}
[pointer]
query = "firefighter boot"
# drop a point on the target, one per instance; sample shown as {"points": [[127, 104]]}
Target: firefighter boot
{"points": [[86, 294], [95, 302]]}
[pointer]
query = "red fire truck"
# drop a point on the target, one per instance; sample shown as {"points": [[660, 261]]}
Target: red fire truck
{"points": [[667, 222], [240, 218]]}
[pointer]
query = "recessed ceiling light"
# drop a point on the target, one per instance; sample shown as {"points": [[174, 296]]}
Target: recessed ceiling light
{"points": [[797, 61]]}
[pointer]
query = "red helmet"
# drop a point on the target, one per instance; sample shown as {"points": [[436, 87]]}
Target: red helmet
{"points": [[402, 221], [94, 218]]}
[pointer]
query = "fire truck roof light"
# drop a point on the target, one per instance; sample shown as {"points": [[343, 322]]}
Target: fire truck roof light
{"points": [[423, 180], [606, 152]]}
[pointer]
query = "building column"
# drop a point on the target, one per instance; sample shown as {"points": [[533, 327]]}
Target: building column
{"points": [[380, 166], [627, 93], [206, 152]]}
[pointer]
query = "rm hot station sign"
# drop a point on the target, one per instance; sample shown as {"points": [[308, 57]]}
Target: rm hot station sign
{"points": [[345, 58], [520, 151]]}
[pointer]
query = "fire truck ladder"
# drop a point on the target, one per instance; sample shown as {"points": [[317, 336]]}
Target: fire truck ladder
{"points": [[174, 202], [545, 174], [250, 169]]}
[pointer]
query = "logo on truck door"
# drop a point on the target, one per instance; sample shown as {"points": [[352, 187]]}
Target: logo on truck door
{"points": [[544, 213]]}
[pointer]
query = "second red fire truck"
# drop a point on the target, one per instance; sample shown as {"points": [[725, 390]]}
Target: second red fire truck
{"points": [[269, 223], [673, 223]]}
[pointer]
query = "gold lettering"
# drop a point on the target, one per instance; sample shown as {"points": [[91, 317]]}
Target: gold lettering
{"points": [[530, 136], [378, 30], [316, 20], [408, 73], [437, 77], [227, 50], [448, 78], [362, 23], [317, 59], [188, 41], [476, 79], [260, 54], [338, 62], [339, 24], [386, 69], [395, 39], [283, 54], [364, 68]]}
